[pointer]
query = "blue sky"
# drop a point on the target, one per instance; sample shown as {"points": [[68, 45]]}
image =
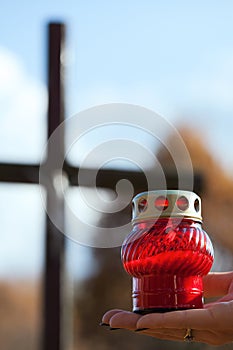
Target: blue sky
{"points": [[175, 57]]}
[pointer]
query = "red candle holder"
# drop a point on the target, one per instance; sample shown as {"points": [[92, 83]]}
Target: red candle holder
{"points": [[167, 253]]}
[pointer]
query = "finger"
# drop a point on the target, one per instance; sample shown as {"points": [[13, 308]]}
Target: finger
{"points": [[195, 319], [228, 297], [107, 316], [162, 335], [213, 338], [178, 335], [217, 284], [124, 319]]}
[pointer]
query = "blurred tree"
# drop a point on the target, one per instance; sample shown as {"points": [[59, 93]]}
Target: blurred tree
{"points": [[19, 316], [217, 197]]}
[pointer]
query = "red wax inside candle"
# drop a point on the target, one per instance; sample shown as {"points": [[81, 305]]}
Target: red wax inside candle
{"points": [[167, 261]]}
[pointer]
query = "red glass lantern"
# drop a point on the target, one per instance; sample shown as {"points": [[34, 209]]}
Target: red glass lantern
{"points": [[167, 253]]}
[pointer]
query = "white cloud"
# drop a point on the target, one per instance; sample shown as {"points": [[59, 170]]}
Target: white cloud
{"points": [[23, 109], [22, 238]]}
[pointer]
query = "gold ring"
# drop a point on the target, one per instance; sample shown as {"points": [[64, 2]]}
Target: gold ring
{"points": [[188, 335]]}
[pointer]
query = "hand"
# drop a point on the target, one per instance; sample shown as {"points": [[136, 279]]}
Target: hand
{"points": [[212, 325]]}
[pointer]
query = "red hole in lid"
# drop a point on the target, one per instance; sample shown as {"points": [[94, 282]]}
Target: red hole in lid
{"points": [[142, 205], [197, 205], [182, 203], [161, 203]]}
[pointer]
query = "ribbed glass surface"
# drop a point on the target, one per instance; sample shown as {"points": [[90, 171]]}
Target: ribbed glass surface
{"points": [[167, 247]]}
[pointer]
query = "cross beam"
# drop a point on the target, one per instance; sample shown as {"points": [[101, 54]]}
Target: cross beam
{"points": [[106, 178]]}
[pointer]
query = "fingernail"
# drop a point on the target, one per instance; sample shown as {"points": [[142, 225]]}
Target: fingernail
{"points": [[113, 329], [140, 329], [102, 324]]}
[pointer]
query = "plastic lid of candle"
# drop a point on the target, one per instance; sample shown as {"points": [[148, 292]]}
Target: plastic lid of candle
{"points": [[165, 204]]}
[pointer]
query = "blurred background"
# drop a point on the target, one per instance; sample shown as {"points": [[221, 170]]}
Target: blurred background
{"points": [[172, 57]]}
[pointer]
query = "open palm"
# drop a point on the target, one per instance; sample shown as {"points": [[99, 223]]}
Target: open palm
{"points": [[212, 325]]}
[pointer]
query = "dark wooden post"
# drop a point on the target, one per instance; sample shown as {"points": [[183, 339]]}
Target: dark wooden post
{"points": [[55, 241]]}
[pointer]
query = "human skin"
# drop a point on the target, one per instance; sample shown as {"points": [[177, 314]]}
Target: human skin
{"points": [[211, 325]]}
